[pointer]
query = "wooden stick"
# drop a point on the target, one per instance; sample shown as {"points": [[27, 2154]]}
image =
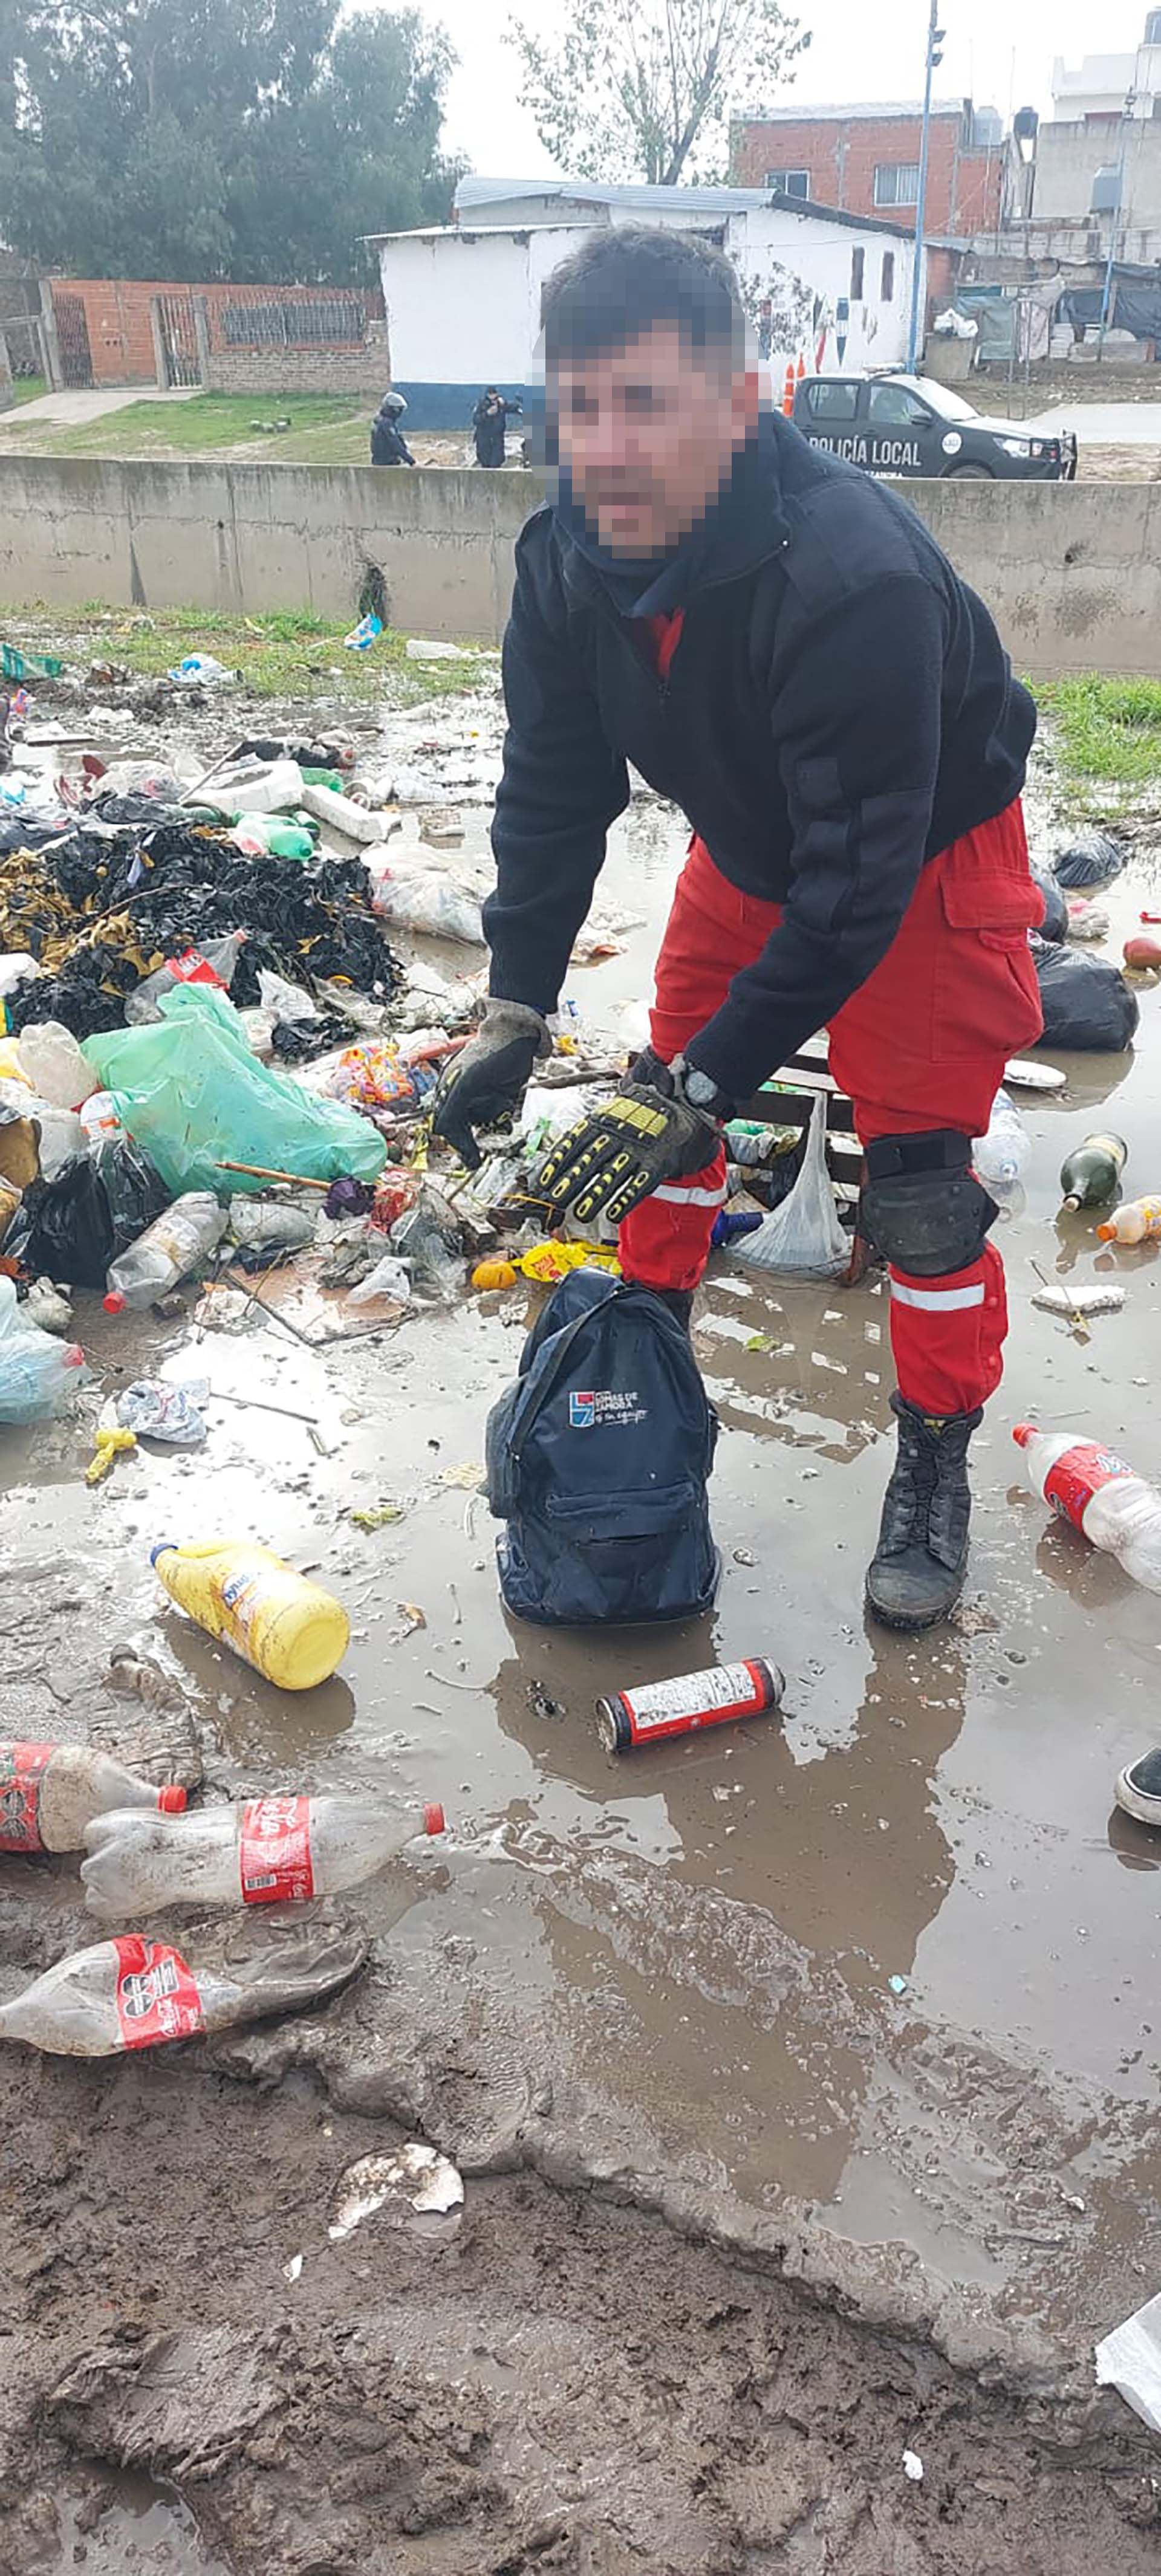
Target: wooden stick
{"points": [[258, 1172]]}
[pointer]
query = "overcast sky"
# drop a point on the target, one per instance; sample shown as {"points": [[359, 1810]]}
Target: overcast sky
{"points": [[856, 52]]}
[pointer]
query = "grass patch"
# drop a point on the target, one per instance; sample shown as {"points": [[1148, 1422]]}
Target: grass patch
{"points": [[1106, 732], [28, 388], [323, 428], [290, 655]]}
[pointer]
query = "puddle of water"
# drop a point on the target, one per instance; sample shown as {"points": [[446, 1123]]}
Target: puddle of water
{"points": [[144, 2532]]}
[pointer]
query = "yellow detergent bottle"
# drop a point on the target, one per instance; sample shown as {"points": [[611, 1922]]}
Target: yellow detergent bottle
{"points": [[289, 1629]]}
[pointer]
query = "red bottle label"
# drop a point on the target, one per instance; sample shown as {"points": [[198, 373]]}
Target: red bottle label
{"points": [[274, 1851], [156, 1996], [21, 1771], [1078, 1474]]}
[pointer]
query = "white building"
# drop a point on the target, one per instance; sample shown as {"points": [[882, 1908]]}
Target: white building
{"points": [[463, 300], [1103, 85]]}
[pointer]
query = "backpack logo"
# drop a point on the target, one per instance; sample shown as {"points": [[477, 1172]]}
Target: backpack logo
{"points": [[591, 1407]]}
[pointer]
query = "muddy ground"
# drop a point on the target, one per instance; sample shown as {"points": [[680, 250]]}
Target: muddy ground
{"points": [[741, 2224]]}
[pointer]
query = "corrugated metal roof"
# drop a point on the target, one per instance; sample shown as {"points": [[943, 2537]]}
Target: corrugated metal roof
{"points": [[473, 194]]}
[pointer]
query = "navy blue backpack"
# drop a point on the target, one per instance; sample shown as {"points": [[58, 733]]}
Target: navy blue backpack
{"points": [[597, 1461]]}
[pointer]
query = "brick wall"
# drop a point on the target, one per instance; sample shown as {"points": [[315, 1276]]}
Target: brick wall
{"points": [[840, 155], [118, 314], [300, 371]]}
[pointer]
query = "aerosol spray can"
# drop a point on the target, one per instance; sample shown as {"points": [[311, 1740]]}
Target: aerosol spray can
{"points": [[714, 1698]]}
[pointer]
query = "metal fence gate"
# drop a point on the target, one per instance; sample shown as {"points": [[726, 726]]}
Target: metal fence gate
{"points": [[179, 339], [72, 333]]}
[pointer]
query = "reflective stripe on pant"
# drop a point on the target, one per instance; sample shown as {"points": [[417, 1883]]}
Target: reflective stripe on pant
{"points": [[921, 1045]]}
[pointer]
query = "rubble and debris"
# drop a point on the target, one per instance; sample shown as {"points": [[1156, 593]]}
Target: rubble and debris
{"points": [[416, 2178], [1129, 2360]]}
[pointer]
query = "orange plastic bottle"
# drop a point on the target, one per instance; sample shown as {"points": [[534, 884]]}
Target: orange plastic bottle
{"points": [[1138, 1221]]}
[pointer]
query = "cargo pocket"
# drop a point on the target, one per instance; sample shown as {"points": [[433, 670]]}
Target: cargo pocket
{"points": [[986, 997]]}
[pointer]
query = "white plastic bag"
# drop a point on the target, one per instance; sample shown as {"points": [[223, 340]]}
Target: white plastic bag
{"points": [[428, 900], [804, 1233], [389, 1278]]}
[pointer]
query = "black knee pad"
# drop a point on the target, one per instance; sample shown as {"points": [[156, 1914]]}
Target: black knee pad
{"points": [[922, 1207]]}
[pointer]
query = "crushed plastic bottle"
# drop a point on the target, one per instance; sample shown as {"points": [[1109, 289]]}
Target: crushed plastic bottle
{"points": [[1001, 1157], [1138, 1221], [268, 1852], [55, 1067], [37, 1373], [50, 1794], [1101, 1495], [213, 963], [135, 1993], [289, 1629], [166, 1253]]}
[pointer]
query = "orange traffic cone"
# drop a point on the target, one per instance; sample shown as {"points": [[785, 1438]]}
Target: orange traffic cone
{"points": [[788, 392], [801, 366]]}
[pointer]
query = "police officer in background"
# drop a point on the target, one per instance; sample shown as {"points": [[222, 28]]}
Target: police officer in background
{"points": [[490, 421], [388, 444], [777, 644]]}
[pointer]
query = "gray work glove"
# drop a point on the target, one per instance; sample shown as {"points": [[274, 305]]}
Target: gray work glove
{"points": [[486, 1082]]}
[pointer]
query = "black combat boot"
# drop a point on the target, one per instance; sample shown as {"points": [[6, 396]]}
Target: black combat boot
{"points": [[917, 1572]]}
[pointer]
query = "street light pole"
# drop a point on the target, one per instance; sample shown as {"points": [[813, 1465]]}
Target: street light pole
{"points": [[934, 41]]}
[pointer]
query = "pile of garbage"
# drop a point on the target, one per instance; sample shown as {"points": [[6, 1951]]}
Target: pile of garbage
{"points": [[215, 1070]]}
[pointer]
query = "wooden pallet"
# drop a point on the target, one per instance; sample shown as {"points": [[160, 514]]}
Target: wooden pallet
{"points": [[809, 1074]]}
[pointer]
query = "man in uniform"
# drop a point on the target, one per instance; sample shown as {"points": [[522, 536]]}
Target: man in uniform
{"points": [[778, 645]]}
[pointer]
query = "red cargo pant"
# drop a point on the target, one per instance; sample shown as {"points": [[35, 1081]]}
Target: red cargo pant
{"points": [[922, 1045]]}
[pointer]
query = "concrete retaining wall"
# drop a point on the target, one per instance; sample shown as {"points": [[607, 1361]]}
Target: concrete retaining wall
{"points": [[1072, 571]]}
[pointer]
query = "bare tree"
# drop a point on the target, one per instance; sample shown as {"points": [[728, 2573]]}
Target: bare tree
{"points": [[642, 89]]}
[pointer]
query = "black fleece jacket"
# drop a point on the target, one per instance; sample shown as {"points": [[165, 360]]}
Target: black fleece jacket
{"points": [[838, 709]]}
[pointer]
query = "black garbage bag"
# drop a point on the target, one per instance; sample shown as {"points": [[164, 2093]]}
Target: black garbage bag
{"points": [[29, 831], [73, 1227], [1086, 1002], [1091, 859], [1055, 923], [134, 1189]]}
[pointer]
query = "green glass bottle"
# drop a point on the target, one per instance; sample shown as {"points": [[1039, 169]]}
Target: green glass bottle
{"points": [[1090, 1175]]}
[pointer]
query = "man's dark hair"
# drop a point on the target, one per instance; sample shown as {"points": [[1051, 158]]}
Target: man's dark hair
{"points": [[624, 280]]}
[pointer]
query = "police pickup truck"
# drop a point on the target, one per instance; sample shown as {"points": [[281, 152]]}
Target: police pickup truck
{"points": [[900, 424]]}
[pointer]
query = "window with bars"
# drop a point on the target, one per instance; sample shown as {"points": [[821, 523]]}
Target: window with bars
{"points": [[284, 322], [897, 183]]}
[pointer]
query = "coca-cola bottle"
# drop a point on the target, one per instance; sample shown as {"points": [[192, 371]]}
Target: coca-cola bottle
{"points": [[50, 1793], [1100, 1494], [263, 1853]]}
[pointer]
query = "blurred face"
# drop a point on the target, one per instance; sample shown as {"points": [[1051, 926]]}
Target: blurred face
{"points": [[647, 435]]}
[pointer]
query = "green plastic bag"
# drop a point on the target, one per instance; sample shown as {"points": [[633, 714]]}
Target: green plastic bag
{"points": [[191, 1094]]}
